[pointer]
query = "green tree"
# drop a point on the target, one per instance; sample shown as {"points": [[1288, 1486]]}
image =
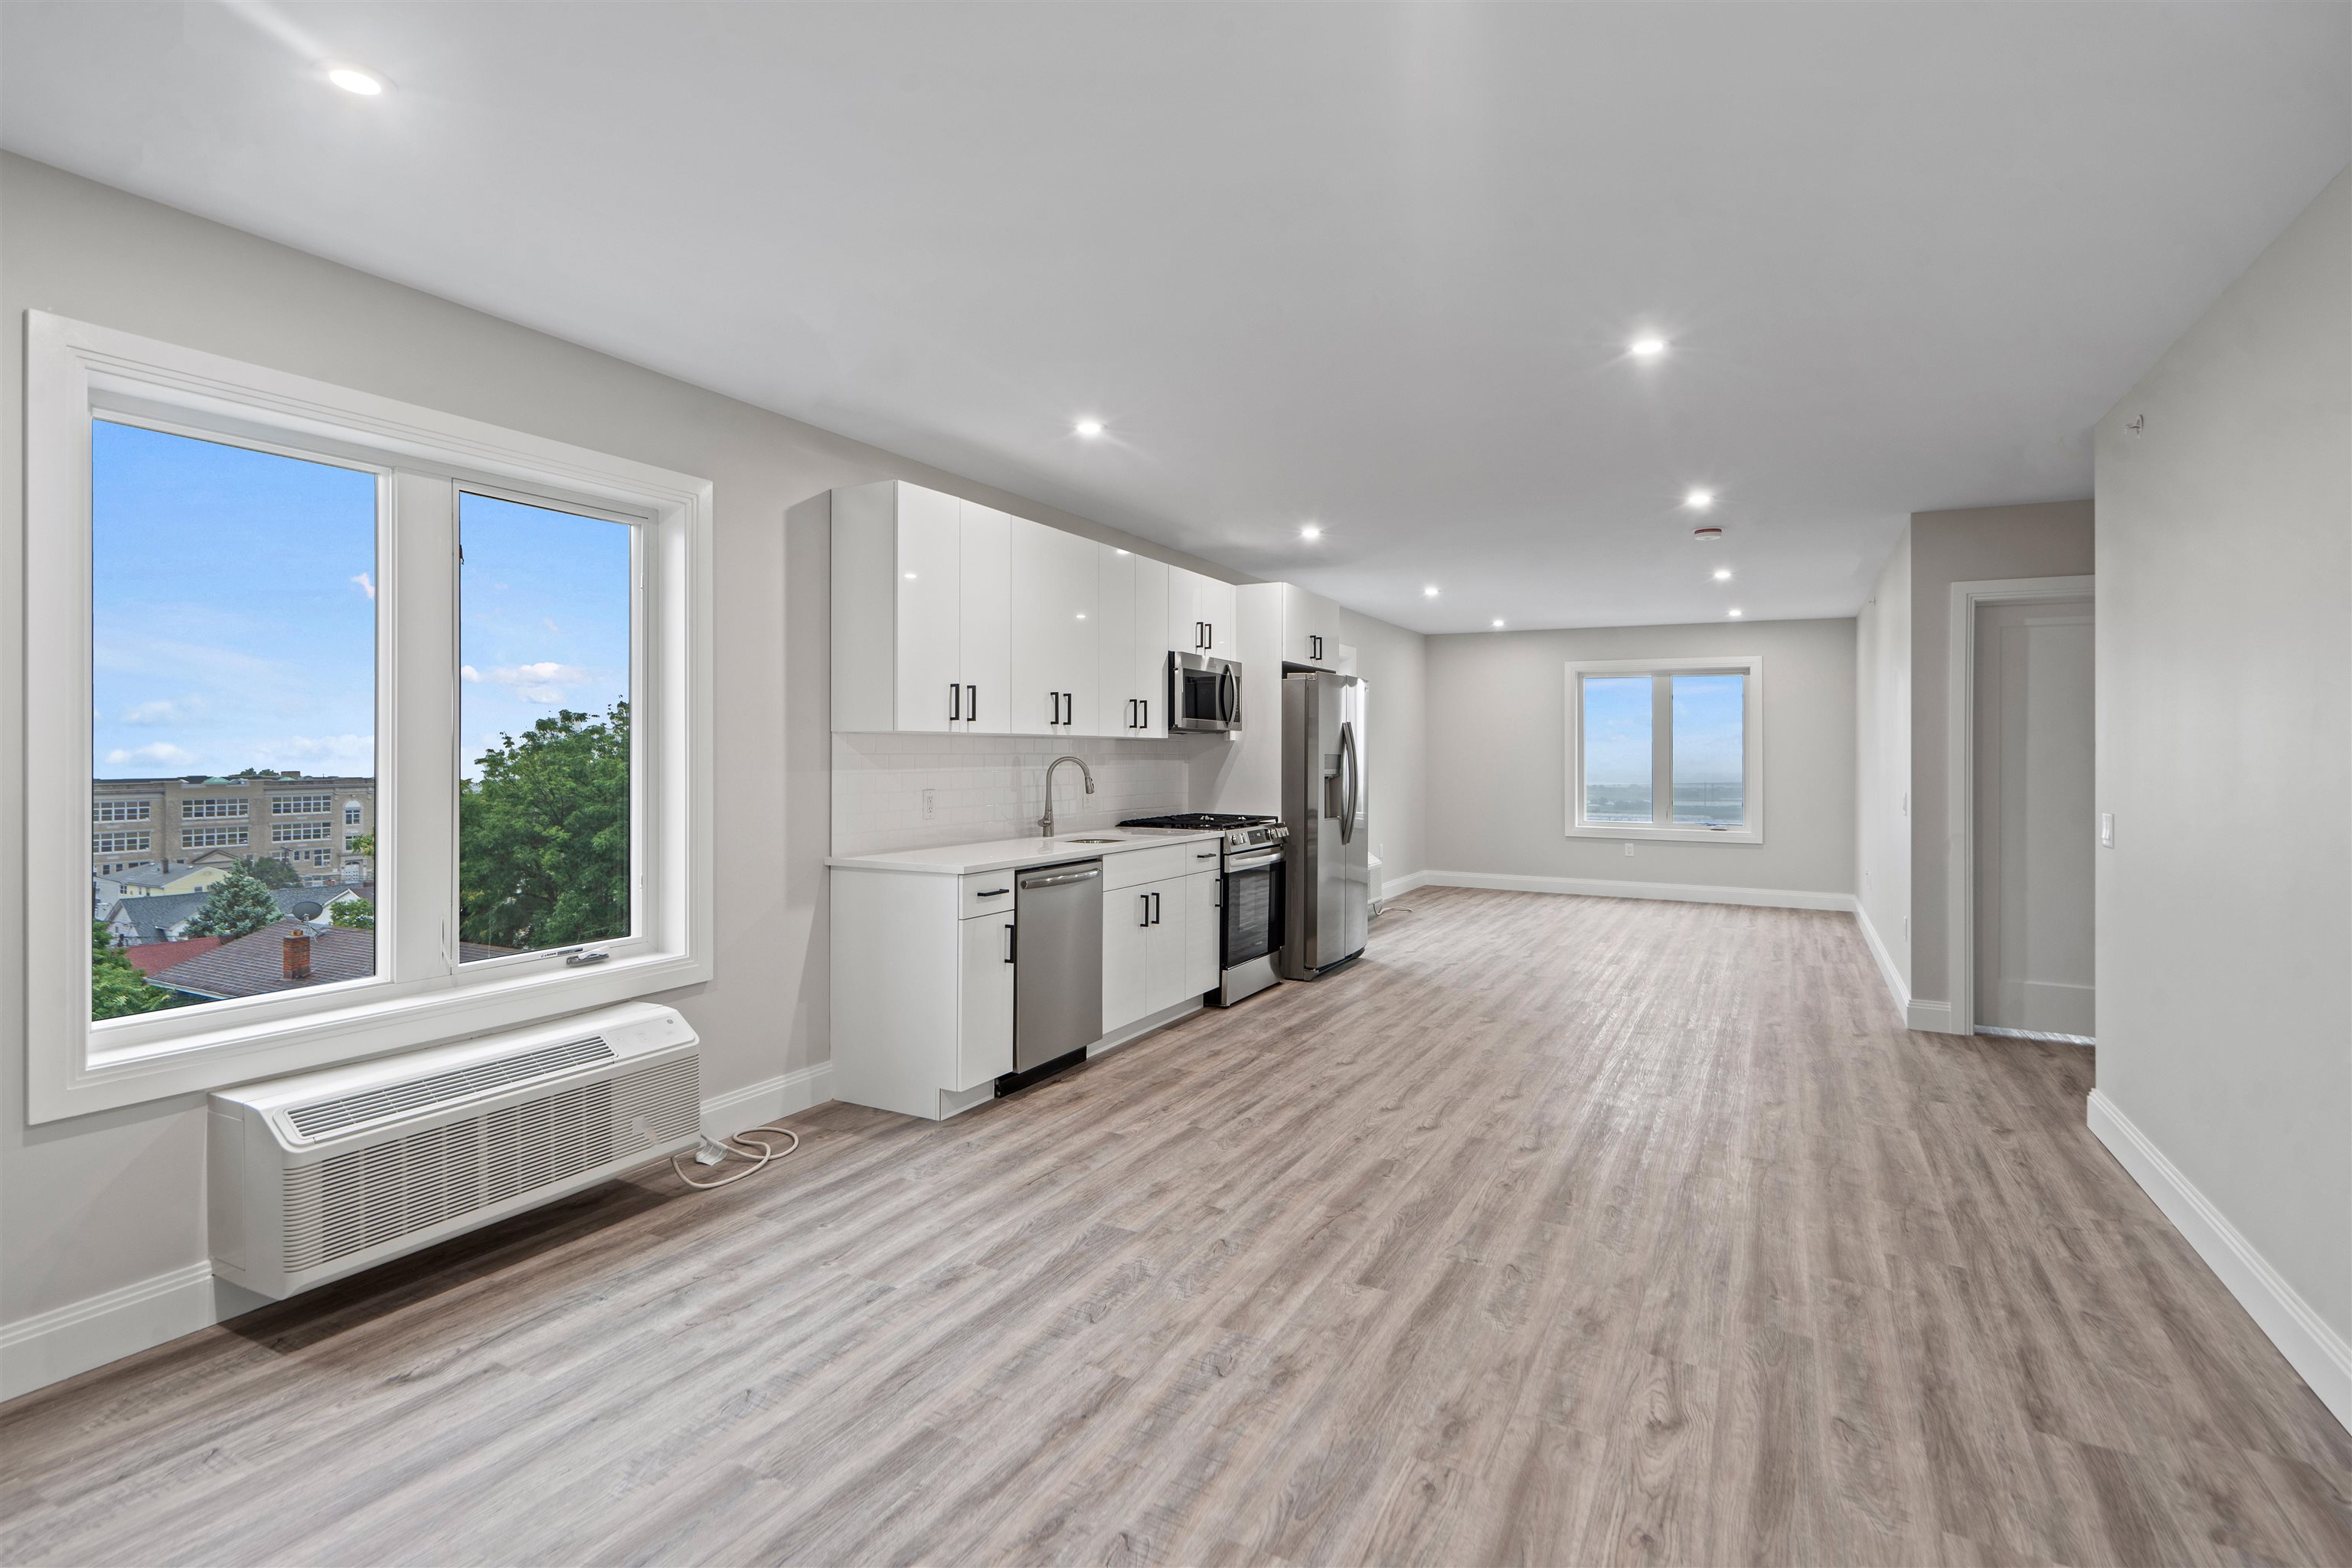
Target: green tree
{"points": [[117, 989], [352, 914], [238, 905], [543, 835], [270, 871]]}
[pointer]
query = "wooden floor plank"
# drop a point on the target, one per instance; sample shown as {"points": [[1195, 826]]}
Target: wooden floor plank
{"points": [[1558, 1230]]}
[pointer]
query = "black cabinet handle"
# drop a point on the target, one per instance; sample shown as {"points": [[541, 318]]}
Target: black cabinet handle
{"points": [[1147, 713], [972, 717], [1145, 900], [992, 892], [1012, 944], [955, 702]]}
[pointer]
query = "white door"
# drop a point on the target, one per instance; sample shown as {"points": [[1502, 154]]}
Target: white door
{"points": [[1118, 706], [930, 672], [1167, 943], [984, 1046], [1126, 956], [1150, 675], [985, 634], [1187, 632], [2035, 827]]}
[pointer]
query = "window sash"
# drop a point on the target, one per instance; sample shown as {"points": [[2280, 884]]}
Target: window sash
{"points": [[1662, 825], [423, 458]]}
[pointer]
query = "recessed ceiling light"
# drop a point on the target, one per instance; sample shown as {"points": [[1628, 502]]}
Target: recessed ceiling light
{"points": [[1699, 501], [1723, 574], [1708, 532], [350, 78], [1430, 592], [1090, 427], [1310, 531], [1499, 626], [1733, 613], [1646, 348]]}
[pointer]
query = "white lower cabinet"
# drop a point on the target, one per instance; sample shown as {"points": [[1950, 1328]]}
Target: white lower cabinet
{"points": [[984, 1041], [924, 965], [1159, 946]]}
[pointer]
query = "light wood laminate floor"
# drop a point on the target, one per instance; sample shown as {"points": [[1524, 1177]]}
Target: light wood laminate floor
{"points": [[1557, 1231]]}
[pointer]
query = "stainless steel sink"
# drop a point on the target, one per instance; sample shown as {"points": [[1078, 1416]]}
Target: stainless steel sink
{"points": [[1094, 840]]}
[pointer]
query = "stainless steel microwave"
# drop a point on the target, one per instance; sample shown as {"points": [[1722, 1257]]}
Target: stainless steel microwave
{"points": [[1203, 693]]}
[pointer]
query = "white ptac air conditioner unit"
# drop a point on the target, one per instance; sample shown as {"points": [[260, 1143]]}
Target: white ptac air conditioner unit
{"points": [[324, 1174]]}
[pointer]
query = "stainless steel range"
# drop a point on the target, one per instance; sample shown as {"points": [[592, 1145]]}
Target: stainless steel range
{"points": [[1254, 860]]}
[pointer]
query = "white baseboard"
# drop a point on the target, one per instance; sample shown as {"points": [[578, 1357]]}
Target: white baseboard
{"points": [[39, 1350], [1678, 892], [786, 1094], [1896, 985], [2313, 1348], [1934, 1017], [1397, 887]]}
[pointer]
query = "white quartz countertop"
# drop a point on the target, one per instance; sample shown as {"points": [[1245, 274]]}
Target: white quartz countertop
{"points": [[1018, 853]]}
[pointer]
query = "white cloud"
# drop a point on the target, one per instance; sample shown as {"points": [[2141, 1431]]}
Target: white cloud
{"points": [[165, 711], [541, 682], [469, 672], [367, 584], [549, 622], [163, 753]]}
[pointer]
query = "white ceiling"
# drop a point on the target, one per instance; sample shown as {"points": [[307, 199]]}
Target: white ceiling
{"points": [[1373, 266]]}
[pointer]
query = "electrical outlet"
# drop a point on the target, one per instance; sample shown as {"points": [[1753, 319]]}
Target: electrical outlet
{"points": [[930, 804], [2107, 830], [1629, 847], [1907, 928]]}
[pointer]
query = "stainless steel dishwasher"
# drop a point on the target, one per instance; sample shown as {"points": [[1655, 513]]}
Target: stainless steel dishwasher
{"points": [[1057, 970]]}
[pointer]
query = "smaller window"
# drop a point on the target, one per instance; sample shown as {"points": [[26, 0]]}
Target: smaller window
{"points": [[296, 832], [118, 843], [210, 807], [300, 804], [351, 814], [1666, 749], [119, 811], [210, 838]]}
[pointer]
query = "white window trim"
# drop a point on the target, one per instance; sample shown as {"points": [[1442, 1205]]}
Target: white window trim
{"points": [[420, 995], [1661, 743]]}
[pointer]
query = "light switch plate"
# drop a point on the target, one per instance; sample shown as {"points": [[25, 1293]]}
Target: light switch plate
{"points": [[2107, 830]]}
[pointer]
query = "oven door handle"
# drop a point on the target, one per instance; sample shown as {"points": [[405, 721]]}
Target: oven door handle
{"points": [[1253, 860]]}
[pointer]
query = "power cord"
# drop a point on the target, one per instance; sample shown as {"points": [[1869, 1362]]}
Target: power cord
{"points": [[714, 1151]]}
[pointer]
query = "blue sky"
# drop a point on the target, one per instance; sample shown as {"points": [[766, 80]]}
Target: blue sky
{"points": [[1709, 721], [234, 611]]}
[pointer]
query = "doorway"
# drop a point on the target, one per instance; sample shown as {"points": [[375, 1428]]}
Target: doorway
{"points": [[2033, 819]]}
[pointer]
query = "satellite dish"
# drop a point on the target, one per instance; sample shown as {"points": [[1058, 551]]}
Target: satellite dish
{"points": [[306, 910]]}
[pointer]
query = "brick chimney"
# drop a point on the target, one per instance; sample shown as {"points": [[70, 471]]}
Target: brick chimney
{"points": [[297, 955]]}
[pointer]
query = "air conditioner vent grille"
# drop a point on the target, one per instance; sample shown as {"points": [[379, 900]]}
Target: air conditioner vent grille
{"points": [[350, 1201], [357, 1110]]}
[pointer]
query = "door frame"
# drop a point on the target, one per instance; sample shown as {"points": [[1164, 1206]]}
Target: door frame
{"points": [[1961, 769]]}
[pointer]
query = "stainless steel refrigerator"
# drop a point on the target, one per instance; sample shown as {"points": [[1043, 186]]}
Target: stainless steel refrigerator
{"points": [[1324, 803]]}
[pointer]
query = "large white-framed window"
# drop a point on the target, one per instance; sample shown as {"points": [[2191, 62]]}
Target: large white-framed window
{"points": [[1666, 748], [92, 389]]}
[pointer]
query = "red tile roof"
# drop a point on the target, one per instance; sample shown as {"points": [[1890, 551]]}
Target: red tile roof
{"points": [[255, 966], [147, 957]]}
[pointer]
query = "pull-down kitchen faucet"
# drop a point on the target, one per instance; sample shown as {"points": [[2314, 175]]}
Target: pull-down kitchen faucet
{"points": [[1046, 823]]}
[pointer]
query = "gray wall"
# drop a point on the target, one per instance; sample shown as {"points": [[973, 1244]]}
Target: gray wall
{"points": [[2225, 753], [102, 1200], [1882, 746], [1395, 662], [2050, 540], [1498, 763]]}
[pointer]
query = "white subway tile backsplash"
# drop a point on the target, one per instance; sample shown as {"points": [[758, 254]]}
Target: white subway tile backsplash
{"points": [[990, 787]]}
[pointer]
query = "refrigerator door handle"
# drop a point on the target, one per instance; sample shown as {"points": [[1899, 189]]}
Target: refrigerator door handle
{"points": [[1355, 787]]}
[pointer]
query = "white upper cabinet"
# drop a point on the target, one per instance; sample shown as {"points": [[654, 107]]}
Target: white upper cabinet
{"points": [[1310, 627], [1130, 644], [921, 620], [985, 642], [1201, 615], [1054, 674], [956, 618]]}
